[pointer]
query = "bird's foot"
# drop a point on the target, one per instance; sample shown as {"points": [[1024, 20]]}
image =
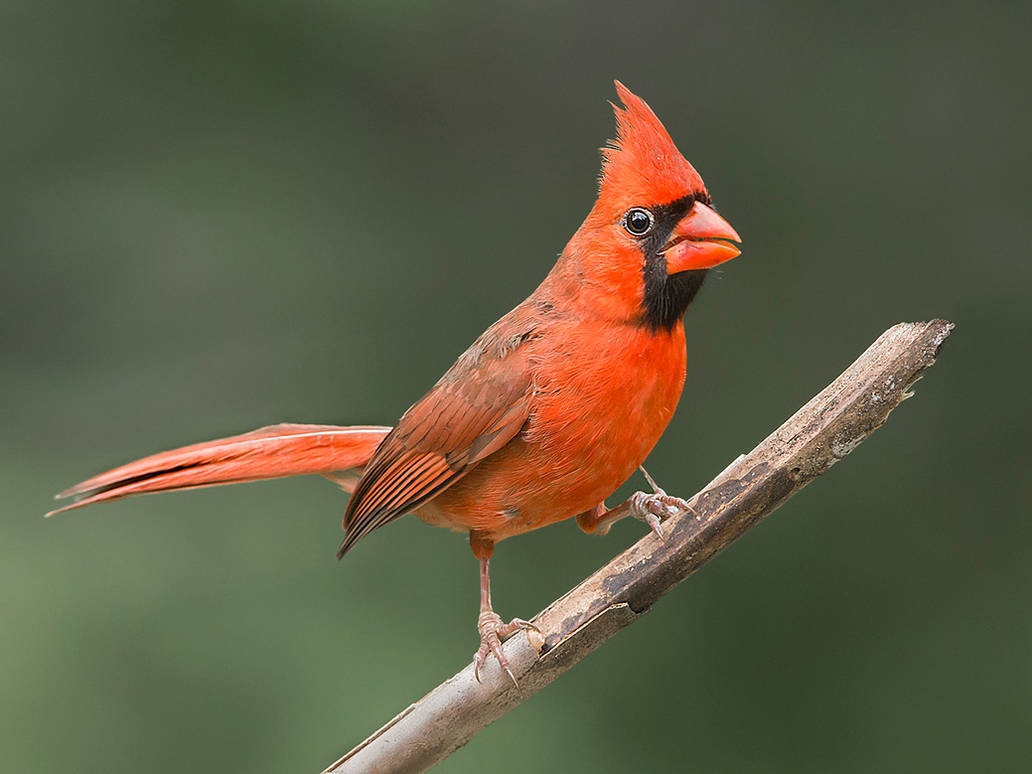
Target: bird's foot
{"points": [[493, 631], [657, 507]]}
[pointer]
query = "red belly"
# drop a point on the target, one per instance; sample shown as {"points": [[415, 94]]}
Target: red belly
{"points": [[594, 421]]}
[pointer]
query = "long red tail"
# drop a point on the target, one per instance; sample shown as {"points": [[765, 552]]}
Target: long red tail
{"points": [[269, 452]]}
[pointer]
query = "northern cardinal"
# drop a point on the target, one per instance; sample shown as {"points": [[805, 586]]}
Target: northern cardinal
{"points": [[546, 414]]}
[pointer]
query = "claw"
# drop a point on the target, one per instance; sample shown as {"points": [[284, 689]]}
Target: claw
{"points": [[655, 525], [490, 643], [654, 508], [492, 633], [679, 505], [519, 623]]}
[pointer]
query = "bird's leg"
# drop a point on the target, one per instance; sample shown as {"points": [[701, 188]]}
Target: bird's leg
{"points": [[493, 631], [653, 509]]}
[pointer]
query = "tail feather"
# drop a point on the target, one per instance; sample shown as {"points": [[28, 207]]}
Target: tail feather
{"points": [[269, 452]]}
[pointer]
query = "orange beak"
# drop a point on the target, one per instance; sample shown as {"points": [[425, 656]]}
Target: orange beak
{"points": [[698, 241]]}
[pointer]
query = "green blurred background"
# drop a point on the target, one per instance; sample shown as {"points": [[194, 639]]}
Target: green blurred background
{"points": [[218, 215]]}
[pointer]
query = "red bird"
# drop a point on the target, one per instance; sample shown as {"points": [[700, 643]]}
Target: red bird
{"points": [[546, 414]]}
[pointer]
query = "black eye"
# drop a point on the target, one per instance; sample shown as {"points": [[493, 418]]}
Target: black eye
{"points": [[638, 221]]}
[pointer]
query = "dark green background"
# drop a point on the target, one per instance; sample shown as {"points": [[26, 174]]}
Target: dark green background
{"points": [[217, 215]]}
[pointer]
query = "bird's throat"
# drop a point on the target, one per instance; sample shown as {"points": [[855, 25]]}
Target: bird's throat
{"points": [[667, 297]]}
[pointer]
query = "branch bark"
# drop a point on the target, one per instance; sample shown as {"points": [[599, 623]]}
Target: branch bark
{"points": [[817, 436]]}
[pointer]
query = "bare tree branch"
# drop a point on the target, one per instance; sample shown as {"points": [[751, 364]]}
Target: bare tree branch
{"points": [[817, 436]]}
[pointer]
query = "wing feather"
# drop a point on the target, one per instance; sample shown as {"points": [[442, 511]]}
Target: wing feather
{"points": [[476, 408]]}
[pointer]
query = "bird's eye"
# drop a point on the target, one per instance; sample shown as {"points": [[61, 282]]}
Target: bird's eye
{"points": [[638, 221]]}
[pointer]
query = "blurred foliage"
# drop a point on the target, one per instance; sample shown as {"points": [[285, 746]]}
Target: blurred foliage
{"points": [[217, 215]]}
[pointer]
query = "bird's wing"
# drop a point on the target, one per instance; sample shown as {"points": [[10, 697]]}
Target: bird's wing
{"points": [[474, 410]]}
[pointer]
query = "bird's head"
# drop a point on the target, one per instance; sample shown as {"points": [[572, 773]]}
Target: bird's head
{"points": [[653, 233]]}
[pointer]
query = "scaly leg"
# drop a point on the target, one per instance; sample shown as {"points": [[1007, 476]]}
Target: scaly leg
{"points": [[650, 508], [490, 625], [492, 629]]}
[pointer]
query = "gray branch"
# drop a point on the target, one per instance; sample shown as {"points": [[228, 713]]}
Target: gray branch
{"points": [[817, 436]]}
